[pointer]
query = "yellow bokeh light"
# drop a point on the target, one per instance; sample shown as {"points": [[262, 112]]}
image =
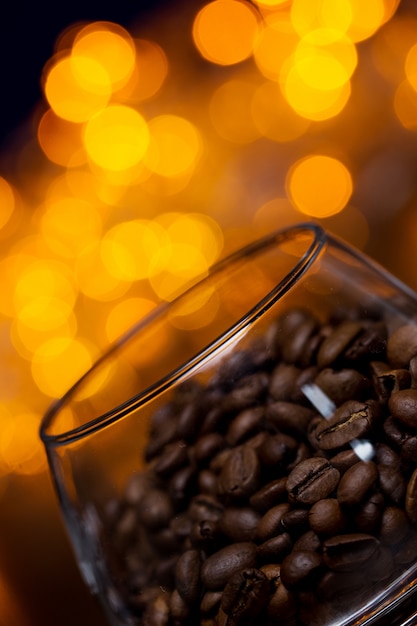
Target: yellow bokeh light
{"points": [[224, 31], [367, 18], [310, 102], [69, 225], [411, 66], [319, 185], [7, 201], [44, 278], [125, 314], [135, 249], [116, 138], [230, 111], [94, 278], [77, 87], [21, 449], [174, 147], [275, 43], [111, 46], [405, 105], [274, 117], [309, 15], [29, 330], [58, 363], [390, 48], [44, 313], [149, 72], [60, 140]]}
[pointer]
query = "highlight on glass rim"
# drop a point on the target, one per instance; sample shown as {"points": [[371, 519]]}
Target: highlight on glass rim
{"points": [[159, 150]]}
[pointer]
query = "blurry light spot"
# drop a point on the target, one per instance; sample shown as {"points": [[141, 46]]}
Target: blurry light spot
{"points": [[113, 50], [77, 87], [319, 185], [308, 15], [274, 214], [197, 310], [29, 330], [131, 249], [230, 111], [116, 138], [58, 363], [174, 146], [44, 278], [274, 45], [149, 72], [60, 140], [351, 224], [44, 313], [7, 201], [125, 314], [94, 278], [274, 117], [224, 31], [389, 49], [20, 446], [405, 105], [367, 18], [69, 225], [411, 66]]}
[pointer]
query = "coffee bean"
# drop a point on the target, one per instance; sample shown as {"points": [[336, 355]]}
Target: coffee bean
{"points": [[356, 482], [402, 345], [300, 568], [245, 595], [295, 521], [403, 406], [282, 605], [342, 385], [352, 420], [326, 517], [392, 483], [394, 525], [288, 417], [277, 450], [309, 541], [155, 509], [270, 524], [367, 518], [274, 548], [207, 446], [337, 342], [187, 576], [210, 602], [311, 480], [349, 552], [269, 495], [220, 566], [283, 381], [239, 477], [239, 523], [245, 424], [411, 498]]}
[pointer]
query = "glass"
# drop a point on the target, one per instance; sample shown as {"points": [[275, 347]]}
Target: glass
{"points": [[249, 451]]}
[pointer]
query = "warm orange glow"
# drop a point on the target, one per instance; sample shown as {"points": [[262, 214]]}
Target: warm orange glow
{"points": [[43, 278], [309, 15], [230, 111], [174, 147], [111, 46], [76, 87], [389, 50], [274, 45], [7, 201], [149, 72], [405, 105], [319, 185], [274, 117], [411, 66], [367, 17], [125, 314], [224, 31], [94, 277], [21, 450], [116, 138], [58, 363], [61, 140]]}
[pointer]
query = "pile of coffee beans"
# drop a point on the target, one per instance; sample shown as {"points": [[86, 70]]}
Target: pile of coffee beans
{"points": [[255, 508]]}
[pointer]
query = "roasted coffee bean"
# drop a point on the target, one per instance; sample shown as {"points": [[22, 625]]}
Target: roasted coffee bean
{"points": [[220, 566], [392, 483], [206, 535], [300, 569], [349, 552], [269, 495], [294, 346], [326, 517], [352, 420], [282, 606], [155, 509], [247, 391], [295, 521], [210, 602], [173, 456], [356, 482], [207, 482], [336, 585], [237, 365], [367, 517], [239, 523], [392, 381], [385, 455], [283, 381], [179, 609], [274, 549], [270, 524], [183, 484], [309, 541], [239, 477], [394, 525], [277, 450], [311, 480], [245, 424], [187, 576], [411, 498], [344, 459], [402, 345], [403, 406], [245, 596], [369, 345], [288, 417], [207, 446], [189, 420], [205, 508], [342, 385], [337, 342]]}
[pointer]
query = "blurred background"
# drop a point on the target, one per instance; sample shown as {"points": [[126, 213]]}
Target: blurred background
{"points": [[139, 145]]}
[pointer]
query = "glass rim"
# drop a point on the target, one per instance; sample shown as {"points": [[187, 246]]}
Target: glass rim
{"points": [[277, 237]]}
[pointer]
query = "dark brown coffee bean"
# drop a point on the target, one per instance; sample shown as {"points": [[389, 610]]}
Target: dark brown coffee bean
{"points": [[282, 606], [220, 566], [276, 450], [207, 446], [356, 482], [380, 567], [403, 406], [156, 612], [245, 424], [326, 517], [295, 521], [367, 517], [210, 602], [311, 480], [334, 586], [239, 523], [155, 509], [402, 345], [344, 459], [239, 477], [337, 342], [300, 569], [187, 576], [247, 391], [205, 507], [406, 552], [309, 541], [205, 535], [207, 482], [346, 553], [283, 381], [385, 455], [245, 596], [269, 495], [342, 385], [394, 525], [294, 346], [183, 484], [289, 417], [369, 345], [392, 381], [352, 420], [179, 609], [274, 549], [392, 483], [411, 498], [270, 524], [173, 456]]}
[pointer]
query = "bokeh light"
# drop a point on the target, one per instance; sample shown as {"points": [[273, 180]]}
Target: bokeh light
{"points": [[7, 201], [174, 146]]}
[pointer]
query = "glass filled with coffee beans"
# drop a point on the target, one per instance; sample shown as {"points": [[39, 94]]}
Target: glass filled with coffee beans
{"points": [[248, 453]]}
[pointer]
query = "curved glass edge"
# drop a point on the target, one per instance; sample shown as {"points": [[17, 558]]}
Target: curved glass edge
{"points": [[320, 238]]}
